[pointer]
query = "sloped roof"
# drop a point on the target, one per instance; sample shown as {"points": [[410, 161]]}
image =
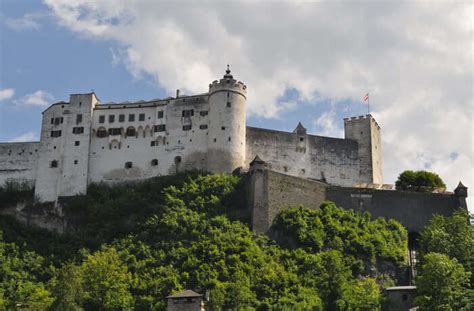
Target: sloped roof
{"points": [[186, 294]]}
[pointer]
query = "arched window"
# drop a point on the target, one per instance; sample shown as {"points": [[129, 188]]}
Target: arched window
{"points": [[154, 162], [101, 132]]}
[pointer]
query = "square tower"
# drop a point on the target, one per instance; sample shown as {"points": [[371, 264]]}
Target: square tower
{"points": [[366, 131]]}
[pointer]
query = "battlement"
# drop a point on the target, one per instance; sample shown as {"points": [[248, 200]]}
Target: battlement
{"points": [[361, 118]]}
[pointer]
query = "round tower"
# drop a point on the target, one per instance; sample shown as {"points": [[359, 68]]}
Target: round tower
{"points": [[226, 140]]}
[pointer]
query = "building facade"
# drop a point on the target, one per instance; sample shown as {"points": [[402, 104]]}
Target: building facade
{"points": [[84, 141]]}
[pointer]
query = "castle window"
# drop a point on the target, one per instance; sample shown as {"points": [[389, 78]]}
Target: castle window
{"points": [[78, 118], [102, 132], [160, 128], [301, 139], [128, 165], [229, 138], [75, 162], [187, 127], [141, 117], [131, 131], [77, 143], [54, 163], [187, 113], [215, 140], [115, 131], [154, 162], [52, 120], [223, 128], [161, 114], [177, 160], [131, 118], [111, 118], [121, 118], [152, 143], [55, 133], [58, 121], [101, 119], [204, 113], [229, 104], [228, 94], [78, 130], [203, 126]]}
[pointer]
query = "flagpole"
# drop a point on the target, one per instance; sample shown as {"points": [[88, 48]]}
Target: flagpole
{"points": [[368, 103]]}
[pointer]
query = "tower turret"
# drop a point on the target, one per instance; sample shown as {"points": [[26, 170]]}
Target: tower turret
{"points": [[226, 141]]}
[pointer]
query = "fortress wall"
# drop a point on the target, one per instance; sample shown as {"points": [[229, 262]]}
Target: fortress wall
{"points": [[413, 210], [109, 154], [271, 192], [335, 160], [18, 162]]}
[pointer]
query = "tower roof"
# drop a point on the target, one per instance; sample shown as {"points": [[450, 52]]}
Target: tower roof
{"points": [[300, 129], [186, 294]]}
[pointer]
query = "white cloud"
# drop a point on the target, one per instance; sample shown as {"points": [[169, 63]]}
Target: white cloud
{"points": [[29, 21], [414, 57], [327, 125], [39, 98], [29, 136], [6, 94]]}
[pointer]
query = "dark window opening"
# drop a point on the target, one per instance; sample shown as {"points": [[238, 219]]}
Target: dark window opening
{"points": [[54, 163], [229, 138], [115, 131], [161, 114], [229, 104], [128, 165], [203, 126], [55, 133], [75, 162], [187, 113], [215, 140], [121, 118], [177, 159], [141, 117], [160, 128], [101, 119], [52, 120], [58, 121], [152, 143], [131, 117], [223, 128], [131, 131], [78, 118], [204, 113], [111, 118], [187, 127], [102, 133], [78, 130], [228, 94], [154, 162], [301, 138], [77, 143]]}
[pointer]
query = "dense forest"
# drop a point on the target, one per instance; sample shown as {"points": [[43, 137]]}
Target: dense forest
{"points": [[130, 246]]}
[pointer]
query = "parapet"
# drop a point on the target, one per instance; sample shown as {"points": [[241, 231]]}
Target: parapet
{"points": [[361, 118]]}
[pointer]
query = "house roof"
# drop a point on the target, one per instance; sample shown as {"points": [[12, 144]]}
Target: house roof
{"points": [[186, 294]]}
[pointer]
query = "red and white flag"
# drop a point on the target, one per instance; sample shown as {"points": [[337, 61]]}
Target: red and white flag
{"points": [[366, 97]]}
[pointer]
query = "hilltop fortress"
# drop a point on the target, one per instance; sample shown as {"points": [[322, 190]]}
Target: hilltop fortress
{"points": [[84, 141]]}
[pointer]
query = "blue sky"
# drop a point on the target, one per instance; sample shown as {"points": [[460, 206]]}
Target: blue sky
{"points": [[309, 62]]}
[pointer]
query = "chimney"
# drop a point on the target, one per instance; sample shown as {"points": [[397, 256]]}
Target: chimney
{"points": [[177, 93]]}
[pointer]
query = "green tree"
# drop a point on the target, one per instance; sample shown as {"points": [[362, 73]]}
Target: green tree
{"points": [[419, 181], [363, 294], [440, 283], [453, 236], [68, 288], [106, 281]]}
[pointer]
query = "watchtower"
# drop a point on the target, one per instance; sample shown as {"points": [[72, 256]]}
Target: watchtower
{"points": [[226, 138], [366, 131]]}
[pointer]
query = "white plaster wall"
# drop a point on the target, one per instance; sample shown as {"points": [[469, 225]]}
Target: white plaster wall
{"points": [[109, 155], [307, 156], [18, 162]]}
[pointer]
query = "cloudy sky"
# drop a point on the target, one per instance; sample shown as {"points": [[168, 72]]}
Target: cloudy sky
{"points": [[301, 61]]}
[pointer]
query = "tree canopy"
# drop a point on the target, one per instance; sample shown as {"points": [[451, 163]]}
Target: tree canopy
{"points": [[419, 181]]}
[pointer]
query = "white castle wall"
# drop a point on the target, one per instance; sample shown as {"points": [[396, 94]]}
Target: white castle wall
{"points": [[18, 162], [203, 132]]}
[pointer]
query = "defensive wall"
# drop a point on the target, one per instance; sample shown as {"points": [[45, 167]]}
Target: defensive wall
{"points": [[271, 192], [18, 161]]}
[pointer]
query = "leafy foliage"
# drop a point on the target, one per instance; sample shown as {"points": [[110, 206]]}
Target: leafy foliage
{"points": [[440, 284], [13, 192], [143, 242], [419, 181]]}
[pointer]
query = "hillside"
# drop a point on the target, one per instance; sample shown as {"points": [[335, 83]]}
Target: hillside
{"points": [[130, 246]]}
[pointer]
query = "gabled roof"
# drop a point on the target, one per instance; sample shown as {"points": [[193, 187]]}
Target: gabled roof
{"points": [[186, 294]]}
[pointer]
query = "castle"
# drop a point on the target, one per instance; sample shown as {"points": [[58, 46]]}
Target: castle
{"points": [[83, 142]]}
